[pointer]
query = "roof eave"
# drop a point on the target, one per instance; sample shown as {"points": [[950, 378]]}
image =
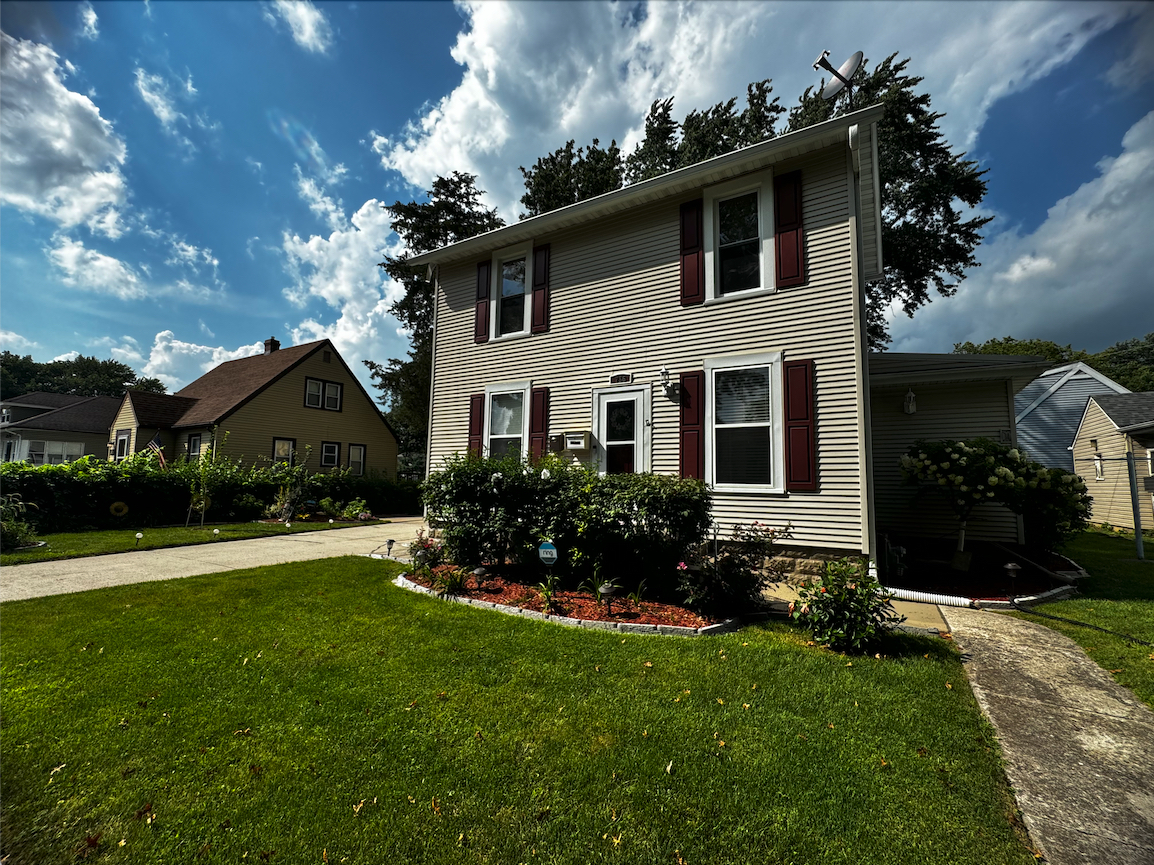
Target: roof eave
{"points": [[666, 185]]}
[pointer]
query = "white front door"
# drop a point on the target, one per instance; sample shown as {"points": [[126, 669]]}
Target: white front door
{"points": [[621, 427]]}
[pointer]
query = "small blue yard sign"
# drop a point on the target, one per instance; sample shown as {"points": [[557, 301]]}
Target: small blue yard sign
{"points": [[548, 553]]}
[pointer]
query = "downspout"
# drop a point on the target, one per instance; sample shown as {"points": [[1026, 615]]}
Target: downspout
{"points": [[433, 273]]}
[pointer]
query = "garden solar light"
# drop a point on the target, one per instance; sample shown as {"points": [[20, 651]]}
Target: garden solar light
{"points": [[288, 525], [139, 535], [607, 590], [389, 546], [479, 576], [215, 534], [1011, 572], [330, 522]]}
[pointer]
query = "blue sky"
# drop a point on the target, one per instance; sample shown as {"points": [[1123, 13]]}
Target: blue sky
{"points": [[180, 181]]}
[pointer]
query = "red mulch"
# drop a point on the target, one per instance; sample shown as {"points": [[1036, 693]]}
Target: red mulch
{"points": [[504, 589]]}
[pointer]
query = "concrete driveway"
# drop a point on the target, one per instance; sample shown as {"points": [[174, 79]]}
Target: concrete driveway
{"points": [[39, 579]]}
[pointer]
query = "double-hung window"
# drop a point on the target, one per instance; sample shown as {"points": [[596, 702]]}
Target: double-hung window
{"points": [[743, 423], [330, 454], [121, 452], [738, 237], [283, 451], [510, 291], [194, 445], [357, 459], [507, 418], [322, 394]]}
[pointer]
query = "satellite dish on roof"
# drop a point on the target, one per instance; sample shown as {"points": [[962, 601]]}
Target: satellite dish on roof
{"points": [[841, 77]]}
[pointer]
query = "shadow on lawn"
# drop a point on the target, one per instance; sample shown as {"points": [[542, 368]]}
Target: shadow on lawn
{"points": [[890, 644]]}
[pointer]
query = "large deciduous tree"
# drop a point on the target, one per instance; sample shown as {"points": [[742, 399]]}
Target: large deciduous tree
{"points": [[1129, 362], [82, 376], [1033, 347], [453, 212], [927, 242]]}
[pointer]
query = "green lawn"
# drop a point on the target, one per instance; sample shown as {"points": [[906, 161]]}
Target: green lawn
{"points": [[1118, 595], [72, 545], [313, 710]]}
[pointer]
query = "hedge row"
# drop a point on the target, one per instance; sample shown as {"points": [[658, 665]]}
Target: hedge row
{"points": [[96, 494]]}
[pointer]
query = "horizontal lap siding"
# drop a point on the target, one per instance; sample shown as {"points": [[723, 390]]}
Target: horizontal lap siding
{"points": [[614, 308], [945, 411], [125, 419], [1112, 503], [279, 412]]}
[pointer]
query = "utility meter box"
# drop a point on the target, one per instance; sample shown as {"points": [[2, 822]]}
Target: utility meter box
{"points": [[577, 441]]}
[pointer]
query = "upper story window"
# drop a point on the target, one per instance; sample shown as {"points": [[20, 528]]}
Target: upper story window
{"points": [[738, 237], [509, 293], [323, 394], [743, 450], [507, 418], [121, 451], [5, 415]]}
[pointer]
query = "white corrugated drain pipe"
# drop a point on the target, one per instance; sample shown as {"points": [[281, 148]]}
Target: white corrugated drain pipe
{"points": [[929, 597]]}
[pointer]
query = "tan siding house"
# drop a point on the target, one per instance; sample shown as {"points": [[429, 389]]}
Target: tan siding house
{"points": [[295, 403], [1113, 425], [765, 365]]}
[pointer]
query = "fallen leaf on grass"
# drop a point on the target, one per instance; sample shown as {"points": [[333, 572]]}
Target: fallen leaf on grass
{"points": [[142, 810], [949, 687], [357, 808], [1116, 671], [436, 807], [922, 752], [745, 705], [648, 663], [325, 855], [669, 768], [247, 731], [720, 701], [57, 769], [90, 843]]}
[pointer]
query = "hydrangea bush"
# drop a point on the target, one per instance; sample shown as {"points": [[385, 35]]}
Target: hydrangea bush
{"points": [[1054, 503]]}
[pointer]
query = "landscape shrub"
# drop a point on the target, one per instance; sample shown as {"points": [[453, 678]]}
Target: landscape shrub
{"points": [[1055, 504], [14, 529], [726, 575], [846, 607], [627, 528]]}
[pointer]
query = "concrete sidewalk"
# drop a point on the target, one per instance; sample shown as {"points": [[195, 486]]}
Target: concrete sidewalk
{"points": [[1079, 748], [39, 579]]}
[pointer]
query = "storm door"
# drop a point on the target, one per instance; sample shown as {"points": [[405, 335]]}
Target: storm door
{"points": [[621, 429]]}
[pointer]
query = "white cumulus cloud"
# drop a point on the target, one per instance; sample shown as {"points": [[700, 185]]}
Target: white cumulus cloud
{"points": [[89, 269], [12, 341], [176, 362], [68, 355], [58, 157], [309, 26], [88, 21], [1092, 257]]}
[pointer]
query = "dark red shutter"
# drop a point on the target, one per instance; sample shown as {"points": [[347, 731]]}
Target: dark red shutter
{"points": [[692, 434], [540, 289], [790, 239], [800, 433], [692, 254], [481, 309], [476, 423], [538, 422]]}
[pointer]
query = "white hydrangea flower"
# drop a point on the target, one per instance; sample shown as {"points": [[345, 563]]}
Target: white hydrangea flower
{"points": [[544, 474]]}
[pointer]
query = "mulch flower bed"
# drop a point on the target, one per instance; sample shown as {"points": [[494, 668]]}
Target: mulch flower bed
{"points": [[505, 589]]}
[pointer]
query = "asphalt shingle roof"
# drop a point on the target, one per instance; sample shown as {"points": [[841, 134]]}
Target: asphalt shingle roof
{"points": [[93, 414], [158, 409], [1128, 409], [43, 399]]}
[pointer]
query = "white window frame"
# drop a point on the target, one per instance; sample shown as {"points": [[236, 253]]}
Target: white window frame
{"points": [[1099, 468], [340, 394], [335, 463], [522, 250], [360, 470], [762, 183], [771, 359], [195, 454], [523, 387], [320, 394], [125, 437], [641, 461], [292, 457]]}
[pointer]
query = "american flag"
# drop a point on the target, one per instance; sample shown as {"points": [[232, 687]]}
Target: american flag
{"points": [[157, 447]]}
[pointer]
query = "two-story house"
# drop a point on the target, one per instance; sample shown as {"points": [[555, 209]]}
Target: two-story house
{"points": [[273, 406]]}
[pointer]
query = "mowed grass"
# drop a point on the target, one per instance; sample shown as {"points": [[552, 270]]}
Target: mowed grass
{"points": [[72, 545], [1119, 596], [314, 711]]}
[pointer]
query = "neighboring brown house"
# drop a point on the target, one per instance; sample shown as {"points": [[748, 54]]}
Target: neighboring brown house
{"points": [[51, 428], [1112, 426], [270, 407]]}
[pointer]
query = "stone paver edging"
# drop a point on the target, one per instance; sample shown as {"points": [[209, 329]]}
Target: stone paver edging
{"points": [[725, 627]]}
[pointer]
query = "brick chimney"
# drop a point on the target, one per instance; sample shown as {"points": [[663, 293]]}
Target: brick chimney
{"points": [[271, 344]]}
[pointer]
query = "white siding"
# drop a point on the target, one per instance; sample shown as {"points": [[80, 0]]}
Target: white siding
{"points": [[949, 410], [614, 308]]}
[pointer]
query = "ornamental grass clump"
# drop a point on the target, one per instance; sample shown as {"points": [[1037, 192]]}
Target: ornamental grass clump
{"points": [[846, 607], [1054, 503]]}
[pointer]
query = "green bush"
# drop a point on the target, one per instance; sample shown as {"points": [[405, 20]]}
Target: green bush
{"points": [[1055, 504], [627, 527], [14, 529], [846, 607], [731, 575]]}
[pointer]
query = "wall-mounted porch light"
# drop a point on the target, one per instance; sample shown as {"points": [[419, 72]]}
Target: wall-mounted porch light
{"points": [[911, 405], [671, 388]]}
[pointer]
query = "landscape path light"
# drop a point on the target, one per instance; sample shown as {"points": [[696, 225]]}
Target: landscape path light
{"points": [[139, 535], [215, 534], [607, 590], [330, 522], [1011, 570], [389, 546]]}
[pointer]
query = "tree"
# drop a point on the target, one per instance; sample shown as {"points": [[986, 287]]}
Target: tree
{"points": [[82, 376], [1034, 347], [452, 213], [1129, 362], [567, 176], [926, 244]]}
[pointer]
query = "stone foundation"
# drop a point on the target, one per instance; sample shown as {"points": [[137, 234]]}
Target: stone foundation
{"points": [[799, 564]]}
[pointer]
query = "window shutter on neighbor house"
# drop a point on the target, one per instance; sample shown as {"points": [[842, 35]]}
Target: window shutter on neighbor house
{"points": [[789, 240], [481, 309], [692, 432], [538, 422], [540, 323], [692, 254], [476, 423], [800, 427]]}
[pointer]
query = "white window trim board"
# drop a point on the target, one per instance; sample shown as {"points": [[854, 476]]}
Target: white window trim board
{"points": [[521, 250], [526, 388], [772, 359], [762, 182]]}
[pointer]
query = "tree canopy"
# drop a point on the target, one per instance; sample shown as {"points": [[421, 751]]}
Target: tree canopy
{"points": [[1129, 362], [453, 212], [82, 376], [926, 243]]}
